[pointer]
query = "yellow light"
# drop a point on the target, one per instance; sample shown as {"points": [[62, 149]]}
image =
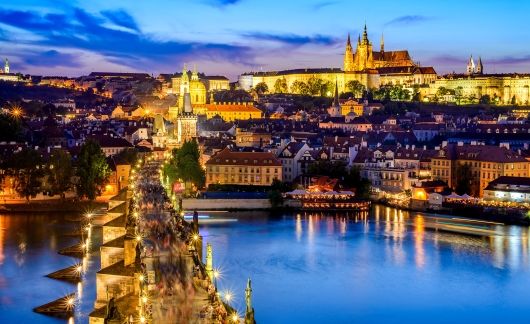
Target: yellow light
{"points": [[142, 319], [235, 317], [144, 299], [216, 274], [195, 237], [228, 296], [141, 278], [79, 268], [70, 301], [138, 238]]}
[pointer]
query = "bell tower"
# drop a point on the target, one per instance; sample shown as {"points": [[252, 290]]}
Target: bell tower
{"points": [[348, 57]]}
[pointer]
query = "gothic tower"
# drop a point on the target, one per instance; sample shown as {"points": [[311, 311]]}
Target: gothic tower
{"points": [[184, 86], [348, 57], [335, 109], [382, 44], [6, 67], [480, 68], [470, 69], [364, 54]]}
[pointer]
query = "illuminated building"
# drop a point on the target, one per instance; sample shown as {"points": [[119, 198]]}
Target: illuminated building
{"points": [[483, 162], [243, 168], [6, 75], [512, 189], [371, 68], [229, 111]]}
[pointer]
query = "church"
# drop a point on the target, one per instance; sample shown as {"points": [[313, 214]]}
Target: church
{"points": [[371, 68]]}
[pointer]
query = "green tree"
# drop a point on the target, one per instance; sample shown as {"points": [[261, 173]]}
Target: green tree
{"points": [[314, 86], [26, 168], [129, 155], [459, 94], [92, 170], [280, 86], [356, 87], [299, 87], [60, 171], [261, 88], [185, 165]]}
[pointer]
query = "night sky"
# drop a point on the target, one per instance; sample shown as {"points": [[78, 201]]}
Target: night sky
{"points": [[228, 37]]}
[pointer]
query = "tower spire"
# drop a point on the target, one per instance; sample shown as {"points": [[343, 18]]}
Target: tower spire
{"points": [[6, 66], [348, 43], [382, 43], [365, 35]]}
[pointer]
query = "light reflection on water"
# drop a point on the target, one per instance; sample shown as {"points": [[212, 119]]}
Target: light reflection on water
{"points": [[387, 266], [28, 251]]}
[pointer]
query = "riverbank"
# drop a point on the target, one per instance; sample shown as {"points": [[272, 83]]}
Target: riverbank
{"points": [[507, 216]]}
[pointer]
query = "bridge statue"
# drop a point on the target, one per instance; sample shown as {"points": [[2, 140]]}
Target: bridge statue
{"points": [[249, 313]]}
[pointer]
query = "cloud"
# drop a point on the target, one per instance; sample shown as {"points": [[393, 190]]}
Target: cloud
{"points": [[221, 3], [323, 4], [510, 60], [52, 59], [292, 39], [90, 32], [121, 18], [408, 20]]}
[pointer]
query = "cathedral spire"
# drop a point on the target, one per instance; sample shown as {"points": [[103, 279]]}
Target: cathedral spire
{"points": [[185, 72], [480, 67], [382, 43], [359, 39], [194, 74], [365, 35]]}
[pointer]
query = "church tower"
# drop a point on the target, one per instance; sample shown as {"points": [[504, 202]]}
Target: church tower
{"points": [[470, 69], [348, 57], [186, 121], [184, 86], [363, 58], [335, 109], [382, 45], [6, 67], [480, 68]]}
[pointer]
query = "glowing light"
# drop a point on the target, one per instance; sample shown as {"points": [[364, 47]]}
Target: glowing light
{"points": [[144, 299], [79, 268], [142, 319], [235, 317], [70, 301], [216, 273], [141, 278], [195, 237], [228, 296], [138, 238]]}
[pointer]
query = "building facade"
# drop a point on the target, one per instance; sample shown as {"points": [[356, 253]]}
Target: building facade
{"points": [[243, 168]]}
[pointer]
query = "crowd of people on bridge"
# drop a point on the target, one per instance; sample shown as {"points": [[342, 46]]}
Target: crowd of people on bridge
{"points": [[182, 293]]}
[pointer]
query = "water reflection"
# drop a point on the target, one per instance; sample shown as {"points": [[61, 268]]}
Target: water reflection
{"points": [[504, 246]]}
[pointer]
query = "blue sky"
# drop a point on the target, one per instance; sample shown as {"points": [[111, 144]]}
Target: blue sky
{"points": [[70, 37]]}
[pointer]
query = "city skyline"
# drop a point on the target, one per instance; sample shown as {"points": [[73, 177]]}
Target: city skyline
{"points": [[229, 37]]}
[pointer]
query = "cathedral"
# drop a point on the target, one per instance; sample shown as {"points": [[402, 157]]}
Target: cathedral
{"points": [[366, 58]]}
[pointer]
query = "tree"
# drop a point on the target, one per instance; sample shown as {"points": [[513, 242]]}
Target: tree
{"points": [[280, 86], [92, 170], [60, 172], [349, 177], [356, 88], [299, 87], [314, 86], [129, 155], [485, 100], [26, 168], [464, 178], [185, 165], [261, 88], [459, 94]]}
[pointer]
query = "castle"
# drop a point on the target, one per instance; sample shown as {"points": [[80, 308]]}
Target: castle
{"points": [[371, 68]]}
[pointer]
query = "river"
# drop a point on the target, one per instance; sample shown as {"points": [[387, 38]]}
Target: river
{"points": [[382, 267]]}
